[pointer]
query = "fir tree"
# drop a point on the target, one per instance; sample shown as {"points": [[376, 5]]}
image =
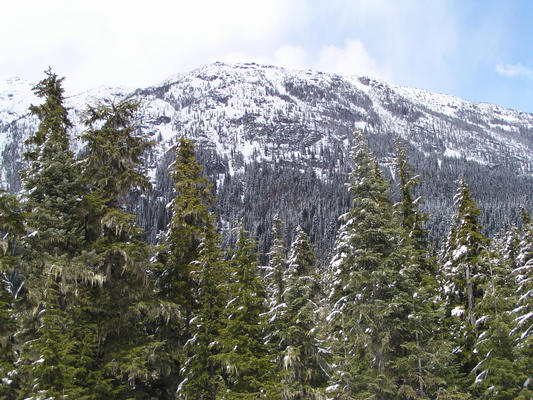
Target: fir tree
{"points": [[428, 347], [201, 374], [463, 277], [117, 312], [52, 180], [53, 193], [277, 262], [372, 293], [497, 374], [190, 218], [11, 229], [523, 313], [244, 358], [179, 251], [275, 280], [411, 218], [303, 363]]}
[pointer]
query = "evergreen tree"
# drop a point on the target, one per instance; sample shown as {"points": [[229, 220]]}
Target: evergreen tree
{"points": [[244, 358], [117, 313], [277, 262], [411, 218], [303, 364], [190, 218], [497, 374], [180, 249], [11, 229], [201, 374], [428, 360], [511, 247], [53, 193], [523, 313], [52, 180], [463, 277], [275, 280], [372, 293]]}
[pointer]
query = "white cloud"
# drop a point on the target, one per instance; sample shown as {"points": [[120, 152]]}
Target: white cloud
{"points": [[514, 70], [133, 42], [294, 57], [352, 59], [287, 56], [241, 57]]}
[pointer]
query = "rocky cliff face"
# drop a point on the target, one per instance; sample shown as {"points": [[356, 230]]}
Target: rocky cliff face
{"points": [[278, 141]]}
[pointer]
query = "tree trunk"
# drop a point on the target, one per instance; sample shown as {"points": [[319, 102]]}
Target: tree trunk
{"points": [[421, 384], [470, 294]]}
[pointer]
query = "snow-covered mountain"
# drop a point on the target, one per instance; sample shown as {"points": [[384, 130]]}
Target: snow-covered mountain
{"points": [[277, 140]]}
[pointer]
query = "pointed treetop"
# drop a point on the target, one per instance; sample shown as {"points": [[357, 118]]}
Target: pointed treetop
{"points": [[301, 256], [526, 218], [52, 114]]}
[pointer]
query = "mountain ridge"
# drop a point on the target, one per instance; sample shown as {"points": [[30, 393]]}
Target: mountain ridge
{"points": [[252, 123]]}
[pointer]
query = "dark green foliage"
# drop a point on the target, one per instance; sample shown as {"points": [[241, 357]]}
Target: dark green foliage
{"points": [[429, 348], [121, 307], [277, 263], [53, 117], [53, 206], [522, 324], [411, 218], [465, 251], [372, 293], [179, 251], [244, 358], [52, 180], [497, 375], [302, 361], [462, 277], [86, 314], [275, 283], [202, 379], [11, 229], [190, 219]]}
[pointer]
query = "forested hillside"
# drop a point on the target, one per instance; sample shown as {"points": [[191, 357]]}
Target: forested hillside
{"points": [[92, 307], [276, 141]]}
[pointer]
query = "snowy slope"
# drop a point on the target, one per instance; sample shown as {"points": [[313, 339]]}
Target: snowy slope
{"points": [[247, 108], [15, 97], [248, 114]]}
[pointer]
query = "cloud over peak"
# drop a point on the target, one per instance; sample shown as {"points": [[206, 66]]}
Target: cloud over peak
{"points": [[514, 70]]}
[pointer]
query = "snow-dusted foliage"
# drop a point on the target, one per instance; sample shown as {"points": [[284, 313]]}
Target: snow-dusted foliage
{"points": [[303, 359]]}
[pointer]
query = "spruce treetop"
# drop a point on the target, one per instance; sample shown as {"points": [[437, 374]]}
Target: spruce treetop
{"points": [[52, 114]]}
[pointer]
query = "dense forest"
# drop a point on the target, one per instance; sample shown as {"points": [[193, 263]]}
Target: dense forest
{"points": [[90, 310]]}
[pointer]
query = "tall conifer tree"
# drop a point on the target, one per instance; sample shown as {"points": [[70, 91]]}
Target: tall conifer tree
{"points": [[372, 292], [464, 274], [119, 311], [523, 313], [190, 218], [497, 375], [11, 229], [190, 223], [277, 262], [244, 357], [429, 347], [411, 218], [202, 379], [275, 282], [303, 359], [53, 196]]}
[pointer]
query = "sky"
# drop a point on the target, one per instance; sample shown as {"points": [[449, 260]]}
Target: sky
{"points": [[478, 50]]}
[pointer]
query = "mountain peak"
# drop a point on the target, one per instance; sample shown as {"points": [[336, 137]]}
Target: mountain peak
{"points": [[299, 123]]}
